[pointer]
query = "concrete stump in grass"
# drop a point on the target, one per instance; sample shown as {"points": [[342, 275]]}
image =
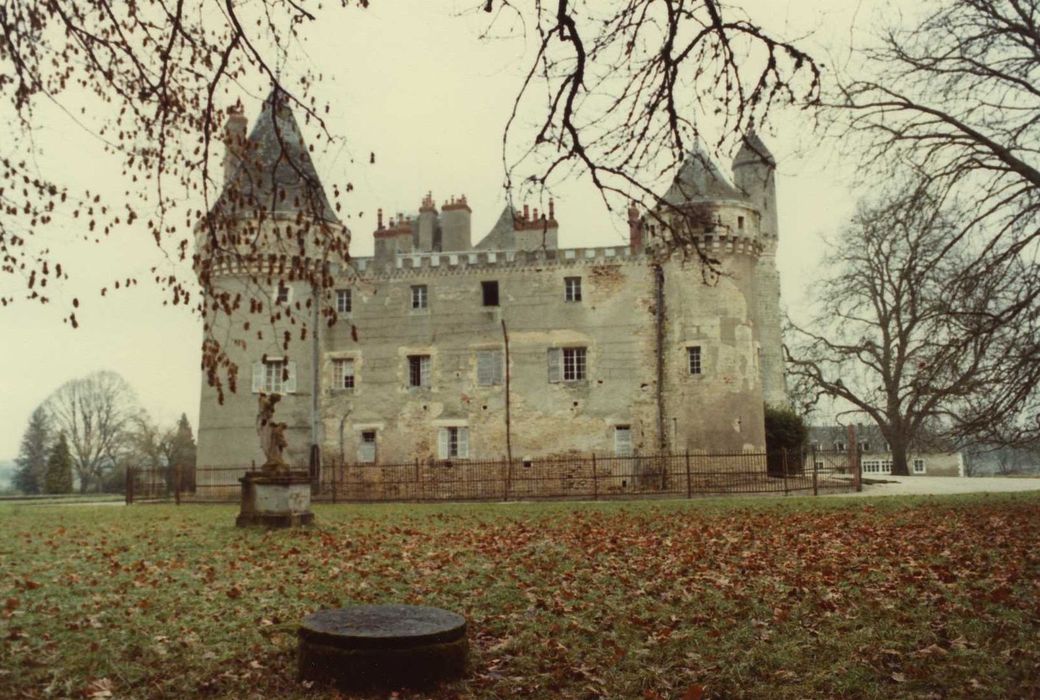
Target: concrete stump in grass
{"points": [[368, 647]]}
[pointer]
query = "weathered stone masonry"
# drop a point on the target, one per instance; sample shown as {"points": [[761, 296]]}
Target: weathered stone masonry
{"points": [[589, 331]]}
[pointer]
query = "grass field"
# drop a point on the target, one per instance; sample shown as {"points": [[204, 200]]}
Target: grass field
{"points": [[900, 597]]}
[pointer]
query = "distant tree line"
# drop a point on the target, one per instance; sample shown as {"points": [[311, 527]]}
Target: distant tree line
{"points": [[90, 431]]}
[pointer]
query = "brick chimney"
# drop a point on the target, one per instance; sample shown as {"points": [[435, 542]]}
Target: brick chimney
{"points": [[234, 139], [427, 224], [455, 225], [635, 230]]}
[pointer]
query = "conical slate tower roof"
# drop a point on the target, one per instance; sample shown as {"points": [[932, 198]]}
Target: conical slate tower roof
{"points": [[700, 179], [274, 172], [753, 152]]}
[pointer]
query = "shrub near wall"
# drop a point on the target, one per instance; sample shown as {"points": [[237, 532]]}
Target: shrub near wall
{"points": [[785, 431]]}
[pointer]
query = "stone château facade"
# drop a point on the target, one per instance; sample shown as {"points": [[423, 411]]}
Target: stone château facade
{"points": [[446, 347]]}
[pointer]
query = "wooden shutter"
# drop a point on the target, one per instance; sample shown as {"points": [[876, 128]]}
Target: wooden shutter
{"points": [[499, 375], [485, 368], [258, 377], [555, 362], [424, 370], [290, 382], [463, 443], [442, 443]]}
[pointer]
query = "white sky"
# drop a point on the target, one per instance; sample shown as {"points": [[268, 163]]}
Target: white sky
{"points": [[411, 82]]}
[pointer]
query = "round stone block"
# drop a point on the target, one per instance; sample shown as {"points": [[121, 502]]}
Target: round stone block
{"points": [[382, 646]]}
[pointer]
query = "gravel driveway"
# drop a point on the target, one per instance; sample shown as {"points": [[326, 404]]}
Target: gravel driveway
{"points": [[938, 485]]}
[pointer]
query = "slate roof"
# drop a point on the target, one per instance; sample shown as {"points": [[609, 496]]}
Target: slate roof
{"points": [[700, 179], [753, 152], [275, 173]]}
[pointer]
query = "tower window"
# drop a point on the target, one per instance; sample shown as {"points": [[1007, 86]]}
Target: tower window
{"points": [[490, 291], [344, 374], [420, 297], [418, 371], [693, 356], [740, 223], [572, 288], [567, 364], [281, 293], [343, 301], [274, 376]]}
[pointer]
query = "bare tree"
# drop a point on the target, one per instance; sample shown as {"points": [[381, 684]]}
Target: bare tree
{"points": [[914, 333], [955, 95], [95, 413], [162, 76]]}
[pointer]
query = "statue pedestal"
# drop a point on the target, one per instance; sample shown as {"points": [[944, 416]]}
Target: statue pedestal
{"points": [[275, 500]]}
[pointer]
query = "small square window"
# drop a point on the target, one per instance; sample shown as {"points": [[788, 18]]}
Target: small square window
{"points": [[572, 288], [418, 371], [420, 297], [918, 466], [281, 293], [839, 447], [274, 376], [693, 356], [343, 301], [344, 374], [489, 288]]}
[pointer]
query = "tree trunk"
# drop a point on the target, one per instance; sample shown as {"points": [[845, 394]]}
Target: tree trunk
{"points": [[899, 464]]}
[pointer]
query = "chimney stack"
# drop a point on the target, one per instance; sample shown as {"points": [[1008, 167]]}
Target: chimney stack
{"points": [[234, 140]]}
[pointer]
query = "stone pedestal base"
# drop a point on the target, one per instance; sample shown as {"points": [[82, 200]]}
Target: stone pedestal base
{"points": [[282, 500], [369, 647]]}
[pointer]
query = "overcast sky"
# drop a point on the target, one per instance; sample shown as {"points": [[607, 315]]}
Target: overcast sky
{"points": [[412, 83]]}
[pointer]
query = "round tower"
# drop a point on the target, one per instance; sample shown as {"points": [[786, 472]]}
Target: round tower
{"points": [[712, 388], [262, 256]]}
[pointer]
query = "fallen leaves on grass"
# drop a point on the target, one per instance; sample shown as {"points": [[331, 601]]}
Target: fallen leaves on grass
{"points": [[676, 601]]}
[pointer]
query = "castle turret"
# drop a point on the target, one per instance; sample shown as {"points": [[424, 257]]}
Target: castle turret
{"points": [[754, 170], [265, 244], [455, 225]]}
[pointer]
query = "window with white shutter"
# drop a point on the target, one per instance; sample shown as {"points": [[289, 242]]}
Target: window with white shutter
{"points": [[274, 376], [573, 364], [489, 367], [418, 371], [453, 443]]}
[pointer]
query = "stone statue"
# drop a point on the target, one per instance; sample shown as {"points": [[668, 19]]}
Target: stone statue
{"points": [[271, 434]]}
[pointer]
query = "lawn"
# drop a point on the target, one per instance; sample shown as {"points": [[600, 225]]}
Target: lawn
{"points": [[769, 598]]}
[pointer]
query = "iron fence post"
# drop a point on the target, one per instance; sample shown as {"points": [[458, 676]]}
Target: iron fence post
{"points": [[509, 474], [783, 458], [418, 478], [177, 484], [815, 484], [129, 485], [689, 483], [595, 481]]}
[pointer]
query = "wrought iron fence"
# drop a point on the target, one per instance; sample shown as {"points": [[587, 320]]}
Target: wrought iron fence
{"points": [[576, 477]]}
